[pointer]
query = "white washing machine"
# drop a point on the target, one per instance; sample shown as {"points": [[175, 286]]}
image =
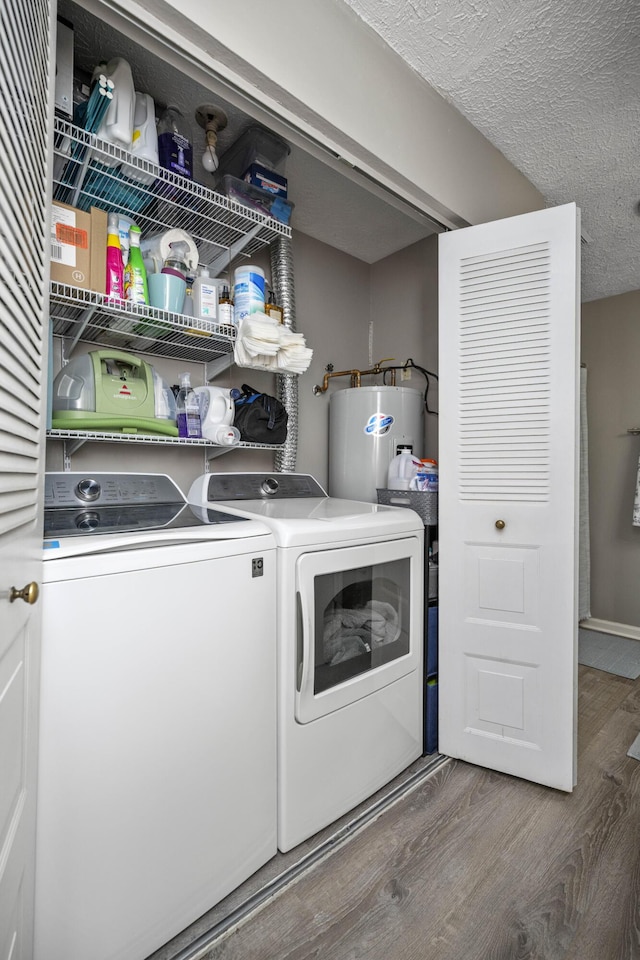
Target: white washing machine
{"points": [[157, 784], [350, 639]]}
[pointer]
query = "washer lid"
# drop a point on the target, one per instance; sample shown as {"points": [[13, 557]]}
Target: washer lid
{"points": [[327, 520]]}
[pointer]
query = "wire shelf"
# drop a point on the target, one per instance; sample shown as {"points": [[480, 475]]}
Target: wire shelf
{"points": [[94, 317], [82, 436], [92, 172]]}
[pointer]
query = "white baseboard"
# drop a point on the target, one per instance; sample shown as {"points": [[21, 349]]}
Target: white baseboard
{"points": [[608, 626]]}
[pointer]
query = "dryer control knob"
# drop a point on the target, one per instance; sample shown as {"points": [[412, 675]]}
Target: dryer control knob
{"points": [[270, 486], [88, 489]]}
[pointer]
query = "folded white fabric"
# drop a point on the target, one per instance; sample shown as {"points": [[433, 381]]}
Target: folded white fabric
{"points": [[264, 344]]}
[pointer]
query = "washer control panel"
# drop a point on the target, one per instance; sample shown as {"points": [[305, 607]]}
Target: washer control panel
{"points": [[67, 489]]}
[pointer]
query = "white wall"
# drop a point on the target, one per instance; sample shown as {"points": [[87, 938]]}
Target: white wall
{"points": [[335, 79]]}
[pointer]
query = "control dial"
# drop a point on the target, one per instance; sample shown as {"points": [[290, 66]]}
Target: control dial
{"points": [[270, 486], [88, 490], [88, 522]]}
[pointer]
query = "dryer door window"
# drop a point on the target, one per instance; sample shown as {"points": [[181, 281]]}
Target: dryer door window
{"points": [[360, 622]]}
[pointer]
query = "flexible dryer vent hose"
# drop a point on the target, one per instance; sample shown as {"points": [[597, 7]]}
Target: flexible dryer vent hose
{"points": [[286, 383]]}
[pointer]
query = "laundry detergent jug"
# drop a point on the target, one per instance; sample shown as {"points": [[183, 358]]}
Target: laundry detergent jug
{"points": [[216, 409]]}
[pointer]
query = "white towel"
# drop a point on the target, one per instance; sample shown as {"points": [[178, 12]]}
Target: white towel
{"points": [[636, 502], [264, 344]]}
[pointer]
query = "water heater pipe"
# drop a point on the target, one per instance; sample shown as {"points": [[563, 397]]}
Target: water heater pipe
{"points": [[356, 376]]}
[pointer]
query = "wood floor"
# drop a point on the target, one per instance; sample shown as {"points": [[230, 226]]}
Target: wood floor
{"points": [[475, 865]]}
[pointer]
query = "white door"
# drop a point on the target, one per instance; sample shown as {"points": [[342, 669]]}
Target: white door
{"points": [[24, 135], [509, 387]]}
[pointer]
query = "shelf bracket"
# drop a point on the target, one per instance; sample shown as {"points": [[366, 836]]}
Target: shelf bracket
{"points": [[214, 368], [222, 261], [68, 450], [85, 317]]}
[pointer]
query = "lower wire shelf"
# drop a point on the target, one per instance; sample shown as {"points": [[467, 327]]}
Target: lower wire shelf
{"points": [[76, 438]]}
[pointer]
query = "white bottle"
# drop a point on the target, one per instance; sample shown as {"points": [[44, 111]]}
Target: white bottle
{"points": [[117, 125], [402, 469], [248, 291], [188, 410], [205, 296], [144, 141]]}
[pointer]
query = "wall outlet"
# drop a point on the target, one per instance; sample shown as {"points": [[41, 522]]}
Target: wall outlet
{"points": [[405, 373]]}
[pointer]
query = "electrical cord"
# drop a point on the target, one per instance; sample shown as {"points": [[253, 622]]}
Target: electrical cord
{"points": [[426, 373]]}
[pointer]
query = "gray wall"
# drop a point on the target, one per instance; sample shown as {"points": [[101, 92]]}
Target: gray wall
{"points": [[611, 350]]}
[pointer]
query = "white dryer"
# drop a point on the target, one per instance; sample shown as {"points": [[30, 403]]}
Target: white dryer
{"points": [[350, 640]]}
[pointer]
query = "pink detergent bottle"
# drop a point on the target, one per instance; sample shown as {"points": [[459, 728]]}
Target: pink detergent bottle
{"points": [[115, 267]]}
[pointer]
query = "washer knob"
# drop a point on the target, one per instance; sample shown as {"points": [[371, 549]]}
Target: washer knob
{"points": [[88, 490], [88, 522], [270, 486]]}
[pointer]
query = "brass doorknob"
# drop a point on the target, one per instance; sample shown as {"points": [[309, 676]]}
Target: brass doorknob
{"points": [[500, 524], [29, 594]]}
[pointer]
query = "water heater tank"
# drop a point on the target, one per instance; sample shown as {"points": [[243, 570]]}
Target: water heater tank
{"points": [[366, 425]]}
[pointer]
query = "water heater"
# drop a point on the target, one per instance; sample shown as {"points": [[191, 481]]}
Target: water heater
{"points": [[366, 425]]}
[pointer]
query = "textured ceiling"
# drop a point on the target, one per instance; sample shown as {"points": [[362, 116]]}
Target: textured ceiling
{"points": [[556, 87]]}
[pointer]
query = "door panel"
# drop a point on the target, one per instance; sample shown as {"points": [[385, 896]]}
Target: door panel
{"points": [[508, 494], [25, 119]]}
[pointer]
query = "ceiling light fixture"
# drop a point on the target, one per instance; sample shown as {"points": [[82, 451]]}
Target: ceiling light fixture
{"points": [[212, 120]]}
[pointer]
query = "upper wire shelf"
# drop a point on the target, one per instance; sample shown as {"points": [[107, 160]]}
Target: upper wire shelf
{"points": [[88, 171]]}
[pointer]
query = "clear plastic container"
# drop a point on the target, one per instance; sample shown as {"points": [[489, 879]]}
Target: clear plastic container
{"points": [[258, 199], [255, 145]]}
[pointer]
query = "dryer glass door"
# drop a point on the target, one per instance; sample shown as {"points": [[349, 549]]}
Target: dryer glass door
{"points": [[359, 624]]}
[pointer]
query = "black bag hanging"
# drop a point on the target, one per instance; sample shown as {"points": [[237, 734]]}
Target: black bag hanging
{"points": [[259, 417]]}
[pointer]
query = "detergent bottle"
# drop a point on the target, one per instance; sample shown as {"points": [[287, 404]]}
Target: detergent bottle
{"points": [[115, 269], [402, 468], [135, 273], [174, 148]]}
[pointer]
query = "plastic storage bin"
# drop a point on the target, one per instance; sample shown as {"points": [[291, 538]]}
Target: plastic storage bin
{"points": [[255, 145], [424, 502], [261, 200]]}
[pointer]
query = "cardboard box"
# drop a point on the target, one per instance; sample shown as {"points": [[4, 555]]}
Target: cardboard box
{"points": [[79, 247]]}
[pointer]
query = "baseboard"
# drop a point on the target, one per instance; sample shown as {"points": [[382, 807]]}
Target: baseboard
{"points": [[608, 626]]}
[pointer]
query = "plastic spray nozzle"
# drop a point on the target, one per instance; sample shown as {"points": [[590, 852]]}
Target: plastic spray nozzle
{"points": [[176, 261], [185, 379]]}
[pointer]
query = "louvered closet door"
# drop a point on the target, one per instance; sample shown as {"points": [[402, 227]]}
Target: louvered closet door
{"points": [[25, 31], [509, 387]]}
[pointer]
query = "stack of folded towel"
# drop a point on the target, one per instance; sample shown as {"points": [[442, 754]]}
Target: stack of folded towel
{"points": [[264, 344]]}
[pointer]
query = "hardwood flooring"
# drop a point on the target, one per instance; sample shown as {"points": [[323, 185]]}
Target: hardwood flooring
{"points": [[476, 865]]}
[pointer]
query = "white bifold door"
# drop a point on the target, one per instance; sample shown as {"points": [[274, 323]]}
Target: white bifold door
{"points": [[509, 388]]}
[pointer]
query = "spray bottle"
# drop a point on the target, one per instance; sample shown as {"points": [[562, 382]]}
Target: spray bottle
{"points": [[115, 270], [135, 274], [176, 262], [188, 409]]}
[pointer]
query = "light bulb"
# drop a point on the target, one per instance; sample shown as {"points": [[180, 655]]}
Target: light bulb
{"points": [[210, 159]]}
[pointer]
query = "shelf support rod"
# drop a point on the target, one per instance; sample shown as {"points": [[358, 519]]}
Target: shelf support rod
{"points": [[223, 259], [85, 317]]}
